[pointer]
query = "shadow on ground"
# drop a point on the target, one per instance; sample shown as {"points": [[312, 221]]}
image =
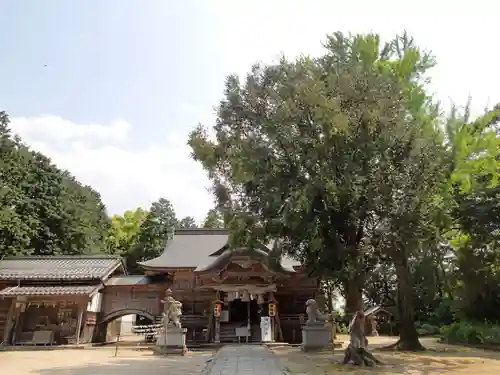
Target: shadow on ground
{"points": [[439, 359]]}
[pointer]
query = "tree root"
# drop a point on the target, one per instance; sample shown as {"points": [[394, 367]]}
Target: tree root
{"points": [[359, 357], [398, 346]]}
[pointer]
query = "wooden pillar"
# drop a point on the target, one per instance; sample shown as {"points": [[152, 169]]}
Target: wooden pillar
{"points": [[217, 330], [260, 309], [9, 322], [210, 324], [217, 321], [79, 323], [249, 324], [276, 319], [19, 307]]}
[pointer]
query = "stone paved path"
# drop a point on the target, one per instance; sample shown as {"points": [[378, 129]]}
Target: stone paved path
{"points": [[245, 360]]}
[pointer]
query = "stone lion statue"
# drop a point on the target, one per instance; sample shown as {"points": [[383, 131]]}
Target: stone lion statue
{"points": [[314, 316], [172, 312]]}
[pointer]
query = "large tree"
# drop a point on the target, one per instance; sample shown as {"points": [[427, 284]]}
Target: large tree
{"points": [[124, 230], [44, 210], [187, 222], [155, 231], [214, 219], [304, 152], [474, 193]]}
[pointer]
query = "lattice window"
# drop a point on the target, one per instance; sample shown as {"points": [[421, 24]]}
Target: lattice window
{"points": [[64, 314]]}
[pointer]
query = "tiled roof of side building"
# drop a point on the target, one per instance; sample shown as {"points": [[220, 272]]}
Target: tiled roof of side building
{"points": [[84, 267], [66, 290]]}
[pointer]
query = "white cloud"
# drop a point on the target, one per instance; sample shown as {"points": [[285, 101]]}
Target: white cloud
{"points": [[64, 130], [98, 155]]}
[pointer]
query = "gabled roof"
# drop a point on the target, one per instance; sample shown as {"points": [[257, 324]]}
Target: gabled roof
{"points": [[375, 309], [262, 256], [70, 267], [199, 249]]}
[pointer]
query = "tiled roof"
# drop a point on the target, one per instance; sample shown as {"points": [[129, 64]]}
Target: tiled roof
{"points": [[67, 290], [375, 309], [189, 248], [197, 248], [58, 267]]}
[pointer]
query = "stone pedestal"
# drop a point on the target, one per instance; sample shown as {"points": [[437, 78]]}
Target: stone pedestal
{"points": [[172, 342], [315, 337]]}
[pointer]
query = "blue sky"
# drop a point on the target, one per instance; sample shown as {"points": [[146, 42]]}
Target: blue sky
{"points": [[105, 60], [125, 80]]}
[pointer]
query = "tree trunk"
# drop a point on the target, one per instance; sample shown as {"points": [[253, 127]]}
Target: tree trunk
{"points": [[408, 336], [445, 280], [354, 294], [329, 290]]}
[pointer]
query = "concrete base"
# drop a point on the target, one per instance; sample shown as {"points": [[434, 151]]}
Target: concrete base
{"points": [[172, 342], [316, 337]]}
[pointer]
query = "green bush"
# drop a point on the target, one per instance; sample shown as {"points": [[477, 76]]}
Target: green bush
{"points": [[342, 329], [427, 330], [471, 333]]}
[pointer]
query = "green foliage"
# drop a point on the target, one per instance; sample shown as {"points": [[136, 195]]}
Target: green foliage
{"points": [[466, 332], [455, 273], [328, 153], [187, 222], [299, 145], [427, 329], [474, 194], [342, 329], [214, 219], [44, 210], [124, 231], [156, 229]]}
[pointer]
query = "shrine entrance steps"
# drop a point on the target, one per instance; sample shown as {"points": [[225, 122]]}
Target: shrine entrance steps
{"points": [[229, 331]]}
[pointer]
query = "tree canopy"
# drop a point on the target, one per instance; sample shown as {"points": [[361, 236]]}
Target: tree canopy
{"points": [[347, 160], [214, 219], [43, 209]]}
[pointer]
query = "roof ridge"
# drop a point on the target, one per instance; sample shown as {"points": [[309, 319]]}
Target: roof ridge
{"points": [[79, 257], [199, 231]]}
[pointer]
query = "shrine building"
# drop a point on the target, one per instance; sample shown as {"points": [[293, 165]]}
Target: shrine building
{"points": [[227, 295]]}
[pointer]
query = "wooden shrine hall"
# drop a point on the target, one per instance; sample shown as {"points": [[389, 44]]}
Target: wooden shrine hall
{"points": [[228, 295], [207, 275]]}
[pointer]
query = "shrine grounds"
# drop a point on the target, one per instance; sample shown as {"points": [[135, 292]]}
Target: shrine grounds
{"points": [[97, 361], [439, 359]]}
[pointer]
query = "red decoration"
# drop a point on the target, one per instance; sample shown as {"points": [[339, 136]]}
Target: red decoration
{"points": [[217, 309]]}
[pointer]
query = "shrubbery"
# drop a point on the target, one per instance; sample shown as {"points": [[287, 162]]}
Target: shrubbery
{"points": [[426, 329], [471, 333], [343, 329]]}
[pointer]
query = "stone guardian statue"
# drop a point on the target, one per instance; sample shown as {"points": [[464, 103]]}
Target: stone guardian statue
{"points": [[172, 337], [314, 316], [315, 335], [172, 311]]}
